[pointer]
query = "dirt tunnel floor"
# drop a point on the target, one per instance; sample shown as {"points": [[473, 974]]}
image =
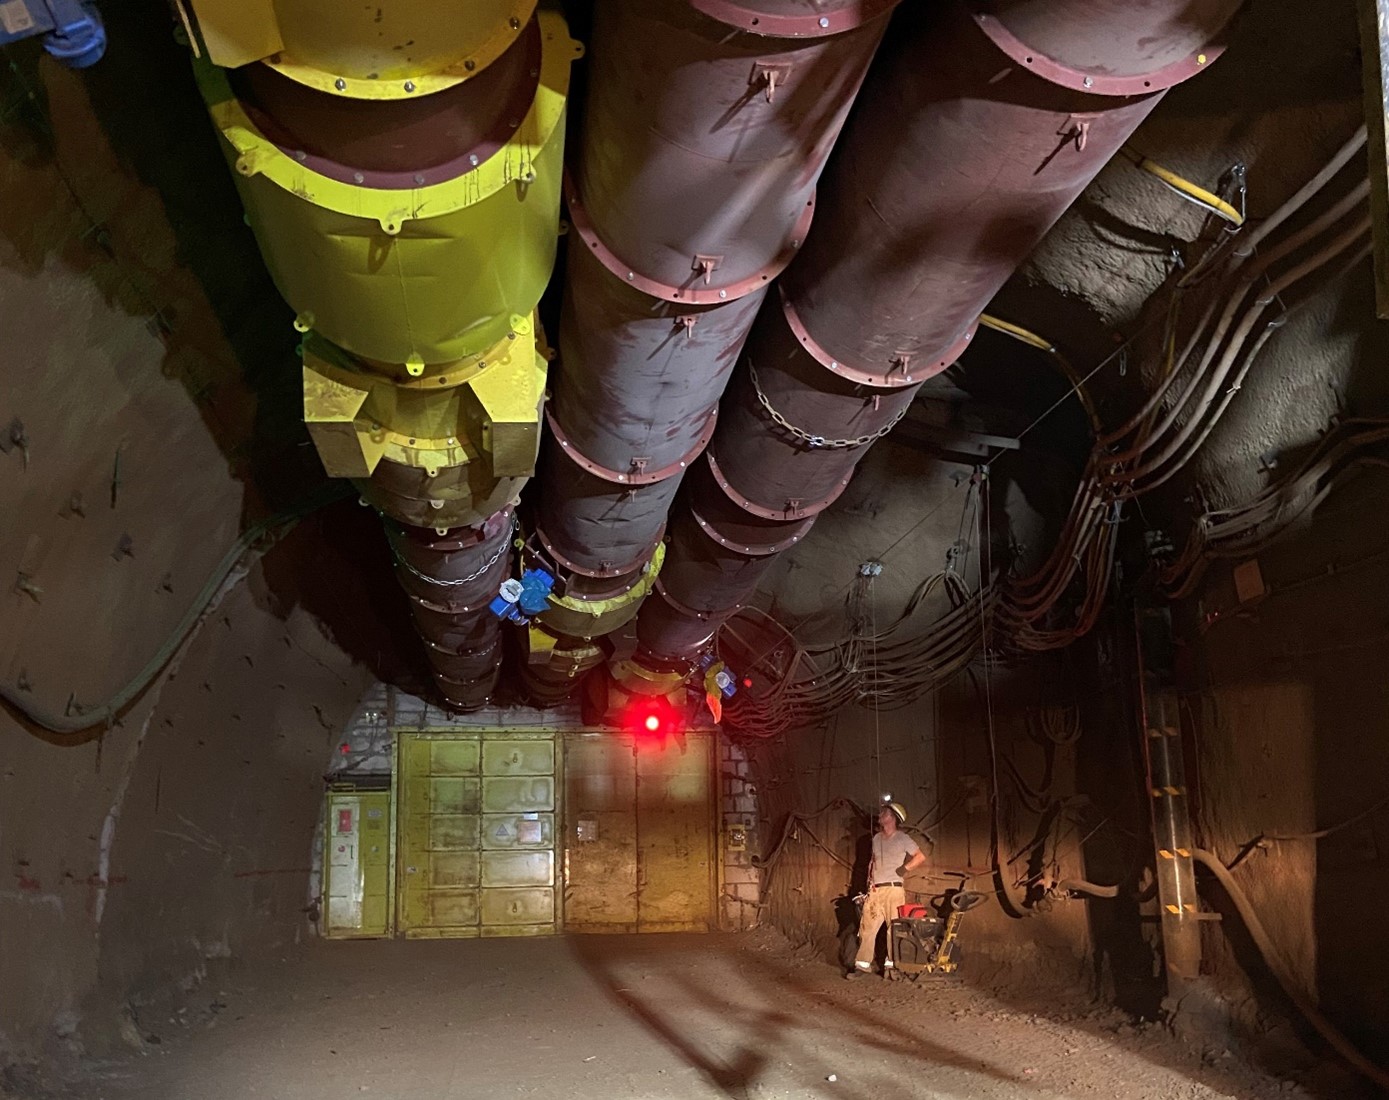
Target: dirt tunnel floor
{"points": [[634, 1017]]}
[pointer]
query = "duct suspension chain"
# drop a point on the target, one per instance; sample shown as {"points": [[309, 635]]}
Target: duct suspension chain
{"points": [[817, 440], [474, 575]]}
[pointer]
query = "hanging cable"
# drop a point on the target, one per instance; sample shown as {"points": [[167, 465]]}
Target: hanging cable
{"points": [[1193, 193]]}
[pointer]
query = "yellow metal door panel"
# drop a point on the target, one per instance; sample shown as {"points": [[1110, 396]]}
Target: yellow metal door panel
{"points": [[453, 795], [675, 853], [453, 869], [477, 834], [518, 831], [519, 906], [518, 869], [450, 831], [452, 756], [439, 792], [455, 911], [518, 758], [518, 794], [600, 821]]}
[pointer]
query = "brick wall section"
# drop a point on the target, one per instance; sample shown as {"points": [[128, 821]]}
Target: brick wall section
{"points": [[740, 892]]}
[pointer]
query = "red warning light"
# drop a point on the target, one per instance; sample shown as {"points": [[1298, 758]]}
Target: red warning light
{"points": [[652, 718]]}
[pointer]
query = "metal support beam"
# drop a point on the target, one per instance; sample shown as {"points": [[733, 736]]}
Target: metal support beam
{"points": [[1169, 800]]}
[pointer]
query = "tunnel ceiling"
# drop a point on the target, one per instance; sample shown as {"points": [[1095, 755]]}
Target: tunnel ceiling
{"points": [[715, 350]]}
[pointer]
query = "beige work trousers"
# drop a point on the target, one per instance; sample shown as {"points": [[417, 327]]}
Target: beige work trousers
{"points": [[879, 907]]}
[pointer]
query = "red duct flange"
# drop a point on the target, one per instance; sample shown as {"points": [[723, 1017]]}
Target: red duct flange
{"points": [[702, 146], [1110, 47], [593, 526], [793, 431], [638, 377], [446, 628], [669, 634], [961, 160], [460, 570], [707, 574], [899, 270], [475, 661], [794, 18], [396, 144]]}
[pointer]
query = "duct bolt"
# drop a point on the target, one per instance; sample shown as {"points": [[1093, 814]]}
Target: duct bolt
{"points": [[514, 23], [824, 20], [357, 177], [409, 85], [419, 177], [1089, 82], [472, 159], [513, 122], [300, 155], [340, 84], [630, 276], [723, 294]]}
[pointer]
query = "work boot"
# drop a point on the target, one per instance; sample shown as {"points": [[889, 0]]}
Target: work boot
{"points": [[855, 973]]}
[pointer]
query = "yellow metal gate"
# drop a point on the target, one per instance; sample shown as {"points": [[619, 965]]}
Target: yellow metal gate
{"points": [[476, 848], [639, 848]]}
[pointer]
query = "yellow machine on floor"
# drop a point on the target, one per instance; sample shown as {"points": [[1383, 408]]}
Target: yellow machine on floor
{"points": [[921, 943]]}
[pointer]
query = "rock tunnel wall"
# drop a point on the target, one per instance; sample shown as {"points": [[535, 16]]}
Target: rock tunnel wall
{"points": [[149, 408]]}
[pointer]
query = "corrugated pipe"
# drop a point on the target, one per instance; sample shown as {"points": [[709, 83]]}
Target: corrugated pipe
{"points": [[707, 127], [981, 123], [401, 167]]}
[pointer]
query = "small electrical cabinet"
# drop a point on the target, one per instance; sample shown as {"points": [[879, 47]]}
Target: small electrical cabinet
{"points": [[357, 863]]}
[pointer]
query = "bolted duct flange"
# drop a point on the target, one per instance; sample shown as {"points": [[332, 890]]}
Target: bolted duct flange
{"points": [[935, 196], [793, 431], [382, 51], [896, 271], [703, 145], [790, 19], [1110, 47], [552, 665], [427, 266], [585, 610], [639, 377], [460, 570]]}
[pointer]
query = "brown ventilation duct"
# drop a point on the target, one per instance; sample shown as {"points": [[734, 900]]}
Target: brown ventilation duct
{"points": [[980, 125], [707, 127]]}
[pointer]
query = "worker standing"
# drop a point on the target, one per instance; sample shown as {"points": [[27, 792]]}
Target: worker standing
{"points": [[895, 855]]}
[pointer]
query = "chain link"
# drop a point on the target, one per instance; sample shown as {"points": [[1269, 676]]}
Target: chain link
{"points": [[474, 575], [817, 441]]}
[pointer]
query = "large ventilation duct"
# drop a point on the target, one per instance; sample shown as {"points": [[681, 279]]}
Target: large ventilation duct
{"points": [[401, 167], [706, 130], [981, 124]]}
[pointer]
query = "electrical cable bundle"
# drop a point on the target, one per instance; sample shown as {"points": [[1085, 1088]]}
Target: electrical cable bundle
{"points": [[1259, 289]]}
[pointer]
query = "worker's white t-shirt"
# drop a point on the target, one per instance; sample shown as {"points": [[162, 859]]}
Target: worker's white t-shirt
{"points": [[889, 853]]}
